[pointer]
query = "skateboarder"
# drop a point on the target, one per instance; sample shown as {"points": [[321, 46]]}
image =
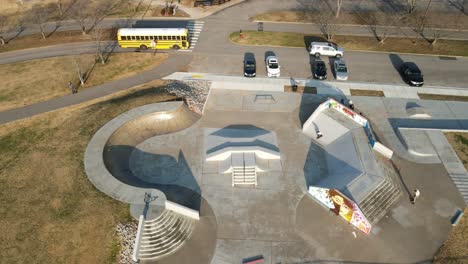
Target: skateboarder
{"points": [[415, 196], [319, 134]]}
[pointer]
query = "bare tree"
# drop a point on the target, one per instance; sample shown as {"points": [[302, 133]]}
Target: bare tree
{"points": [[97, 35], [41, 14], [459, 4], [327, 24], [80, 12], [77, 64], [411, 5], [419, 21], [381, 28], [339, 3], [3, 28]]}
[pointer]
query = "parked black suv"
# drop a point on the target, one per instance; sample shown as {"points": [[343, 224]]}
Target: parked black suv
{"points": [[319, 69], [249, 65], [411, 74]]}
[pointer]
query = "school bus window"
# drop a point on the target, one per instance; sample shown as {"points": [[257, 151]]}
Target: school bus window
{"points": [[123, 37], [178, 37], [133, 37], [183, 38], [146, 37]]}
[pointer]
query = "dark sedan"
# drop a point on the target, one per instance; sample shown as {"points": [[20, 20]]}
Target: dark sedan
{"points": [[319, 70], [411, 74], [249, 67]]}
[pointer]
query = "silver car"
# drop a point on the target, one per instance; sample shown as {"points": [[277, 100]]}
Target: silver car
{"points": [[341, 71]]}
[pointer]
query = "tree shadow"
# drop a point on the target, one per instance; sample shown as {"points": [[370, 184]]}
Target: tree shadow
{"points": [[310, 38]]}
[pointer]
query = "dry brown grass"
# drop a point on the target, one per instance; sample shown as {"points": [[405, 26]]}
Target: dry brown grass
{"points": [[455, 249], [442, 97], [440, 19], [459, 142], [30, 82], [400, 45], [301, 89], [51, 213], [356, 92], [56, 38]]}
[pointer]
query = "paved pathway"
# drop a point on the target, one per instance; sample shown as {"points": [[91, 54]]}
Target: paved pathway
{"points": [[174, 63]]}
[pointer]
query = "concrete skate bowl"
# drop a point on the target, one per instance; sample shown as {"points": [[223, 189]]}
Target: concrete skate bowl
{"points": [[117, 163], [108, 155]]}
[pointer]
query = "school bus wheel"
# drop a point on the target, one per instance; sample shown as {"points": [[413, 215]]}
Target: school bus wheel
{"points": [[176, 47], [143, 47]]}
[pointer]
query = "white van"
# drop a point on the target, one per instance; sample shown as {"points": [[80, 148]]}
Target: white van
{"points": [[325, 48]]}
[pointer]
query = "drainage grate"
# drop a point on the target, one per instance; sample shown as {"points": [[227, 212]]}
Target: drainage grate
{"points": [[447, 58]]}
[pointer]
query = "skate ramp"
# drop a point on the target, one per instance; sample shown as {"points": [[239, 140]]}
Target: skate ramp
{"points": [[351, 166]]}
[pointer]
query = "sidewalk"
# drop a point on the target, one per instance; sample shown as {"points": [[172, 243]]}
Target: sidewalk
{"points": [[173, 63], [196, 12], [323, 87]]}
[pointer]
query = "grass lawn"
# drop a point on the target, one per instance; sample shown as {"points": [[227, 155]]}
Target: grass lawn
{"points": [[30, 82], [455, 249], [356, 92], [51, 213], [437, 19], [441, 97], [400, 45]]}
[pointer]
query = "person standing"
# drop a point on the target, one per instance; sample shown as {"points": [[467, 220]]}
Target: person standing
{"points": [[351, 105], [72, 88], [415, 196]]}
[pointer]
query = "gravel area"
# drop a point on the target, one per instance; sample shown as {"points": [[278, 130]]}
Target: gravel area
{"points": [[127, 233], [195, 92]]}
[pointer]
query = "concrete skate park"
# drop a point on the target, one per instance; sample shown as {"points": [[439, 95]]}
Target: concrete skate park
{"points": [[248, 180]]}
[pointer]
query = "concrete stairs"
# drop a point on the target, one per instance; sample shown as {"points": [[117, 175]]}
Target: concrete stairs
{"points": [[461, 181], [165, 234], [244, 175], [378, 202]]}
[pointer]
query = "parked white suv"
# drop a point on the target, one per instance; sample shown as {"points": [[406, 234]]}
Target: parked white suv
{"points": [[272, 66], [325, 48]]}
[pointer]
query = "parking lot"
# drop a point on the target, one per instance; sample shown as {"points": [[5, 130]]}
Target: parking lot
{"points": [[362, 66]]}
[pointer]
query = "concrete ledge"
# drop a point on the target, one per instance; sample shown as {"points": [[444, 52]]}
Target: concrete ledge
{"points": [[136, 247], [386, 152], [261, 152], [182, 210]]}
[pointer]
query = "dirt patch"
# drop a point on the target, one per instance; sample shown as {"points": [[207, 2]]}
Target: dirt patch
{"points": [[50, 211], [301, 89], [459, 142], [159, 11], [441, 97], [455, 249], [356, 92], [26, 83]]}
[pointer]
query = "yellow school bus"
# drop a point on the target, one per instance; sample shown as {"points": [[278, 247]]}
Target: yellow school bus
{"points": [[153, 38]]}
